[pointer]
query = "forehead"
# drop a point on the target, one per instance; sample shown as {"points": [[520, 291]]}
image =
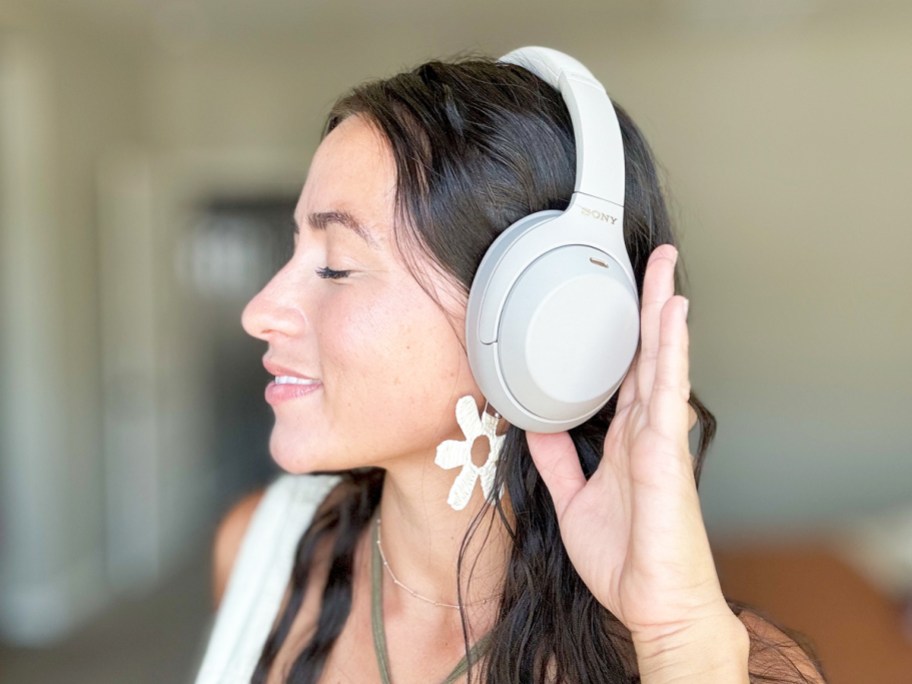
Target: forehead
{"points": [[353, 170]]}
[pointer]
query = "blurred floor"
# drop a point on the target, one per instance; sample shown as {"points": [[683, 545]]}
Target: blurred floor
{"points": [[156, 638], [861, 634]]}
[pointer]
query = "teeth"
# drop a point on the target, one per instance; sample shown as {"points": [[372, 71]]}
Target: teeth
{"points": [[291, 380]]}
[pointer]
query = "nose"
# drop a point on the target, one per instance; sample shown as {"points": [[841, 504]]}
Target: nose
{"points": [[276, 309]]}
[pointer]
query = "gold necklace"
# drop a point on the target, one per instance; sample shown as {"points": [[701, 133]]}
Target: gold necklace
{"points": [[411, 591]]}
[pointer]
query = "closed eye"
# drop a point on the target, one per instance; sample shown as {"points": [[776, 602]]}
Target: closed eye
{"points": [[331, 274]]}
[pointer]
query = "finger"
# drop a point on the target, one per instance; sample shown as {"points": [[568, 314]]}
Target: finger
{"points": [[658, 288], [671, 390], [558, 464]]}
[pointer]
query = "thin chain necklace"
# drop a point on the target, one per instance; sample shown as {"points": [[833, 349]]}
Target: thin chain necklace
{"points": [[411, 591], [475, 654]]}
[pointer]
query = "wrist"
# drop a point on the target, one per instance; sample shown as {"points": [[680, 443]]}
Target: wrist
{"points": [[709, 650]]}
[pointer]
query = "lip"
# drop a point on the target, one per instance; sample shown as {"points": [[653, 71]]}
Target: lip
{"points": [[277, 394], [276, 370], [280, 393]]}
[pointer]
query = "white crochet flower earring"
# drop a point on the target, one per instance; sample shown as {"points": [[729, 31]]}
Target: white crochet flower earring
{"points": [[458, 453]]}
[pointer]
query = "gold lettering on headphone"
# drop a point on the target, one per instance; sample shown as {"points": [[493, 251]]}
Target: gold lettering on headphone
{"points": [[598, 215]]}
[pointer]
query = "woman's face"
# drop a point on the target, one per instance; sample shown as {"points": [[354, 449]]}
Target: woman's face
{"points": [[376, 364]]}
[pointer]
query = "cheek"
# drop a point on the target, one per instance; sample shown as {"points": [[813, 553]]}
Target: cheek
{"points": [[394, 354]]}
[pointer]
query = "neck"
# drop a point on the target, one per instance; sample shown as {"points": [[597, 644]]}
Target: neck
{"points": [[422, 537]]}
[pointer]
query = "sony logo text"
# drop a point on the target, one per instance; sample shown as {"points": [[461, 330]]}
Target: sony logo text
{"points": [[601, 216]]}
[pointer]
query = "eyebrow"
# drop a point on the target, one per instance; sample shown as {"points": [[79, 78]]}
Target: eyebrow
{"points": [[321, 219]]}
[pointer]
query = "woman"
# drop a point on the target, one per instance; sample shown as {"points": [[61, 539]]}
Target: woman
{"points": [[585, 558]]}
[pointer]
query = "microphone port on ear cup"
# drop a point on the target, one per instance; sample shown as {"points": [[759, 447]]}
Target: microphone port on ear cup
{"points": [[565, 343]]}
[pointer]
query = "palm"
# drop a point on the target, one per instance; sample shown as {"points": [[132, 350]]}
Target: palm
{"points": [[634, 531]]}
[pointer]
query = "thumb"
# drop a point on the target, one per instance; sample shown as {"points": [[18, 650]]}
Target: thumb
{"points": [[558, 464]]}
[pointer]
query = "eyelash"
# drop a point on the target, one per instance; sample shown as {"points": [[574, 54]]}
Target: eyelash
{"points": [[330, 274]]}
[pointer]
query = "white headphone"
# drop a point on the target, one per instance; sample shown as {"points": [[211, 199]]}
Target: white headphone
{"points": [[553, 314]]}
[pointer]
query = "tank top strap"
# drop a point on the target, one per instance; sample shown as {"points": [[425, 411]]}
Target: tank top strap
{"points": [[260, 577], [475, 653]]}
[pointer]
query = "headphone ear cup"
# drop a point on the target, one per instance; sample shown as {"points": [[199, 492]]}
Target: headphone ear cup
{"points": [[552, 323], [569, 330]]}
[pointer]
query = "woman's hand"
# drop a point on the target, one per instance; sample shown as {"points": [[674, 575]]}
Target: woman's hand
{"points": [[634, 531]]}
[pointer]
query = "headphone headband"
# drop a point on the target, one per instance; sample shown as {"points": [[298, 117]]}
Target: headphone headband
{"points": [[552, 321], [596, 129]]}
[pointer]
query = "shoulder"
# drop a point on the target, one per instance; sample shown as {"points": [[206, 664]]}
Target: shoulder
{"points": [[777, 654], [228, 537], [283, 509]]}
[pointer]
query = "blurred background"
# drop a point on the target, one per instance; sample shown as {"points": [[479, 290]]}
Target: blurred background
{"points": [[151, 152]]}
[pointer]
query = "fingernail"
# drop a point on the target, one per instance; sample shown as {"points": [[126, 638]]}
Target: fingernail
{"points": [[686, 308]]}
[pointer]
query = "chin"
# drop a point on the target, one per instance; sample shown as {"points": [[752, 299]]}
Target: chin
{"points": [[293, 455]]}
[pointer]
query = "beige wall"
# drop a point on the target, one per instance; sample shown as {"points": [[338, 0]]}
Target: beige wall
{"points": [[788, 153], [786, 143], [785, 137], [66, 100]]}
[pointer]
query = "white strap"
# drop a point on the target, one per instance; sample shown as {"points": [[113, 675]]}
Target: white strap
{"points": [[260, 577]]}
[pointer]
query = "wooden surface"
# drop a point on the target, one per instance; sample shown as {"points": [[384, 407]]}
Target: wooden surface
{"points": [[859, 633]]}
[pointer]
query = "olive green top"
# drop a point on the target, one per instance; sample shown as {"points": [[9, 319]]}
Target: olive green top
{"points": [[476, 652]]}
